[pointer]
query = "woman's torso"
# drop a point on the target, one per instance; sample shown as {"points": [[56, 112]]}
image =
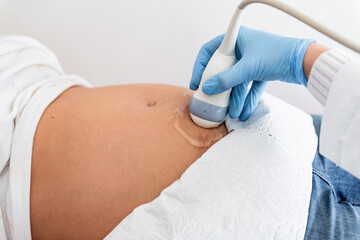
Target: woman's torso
{"points": [[99, 153]]}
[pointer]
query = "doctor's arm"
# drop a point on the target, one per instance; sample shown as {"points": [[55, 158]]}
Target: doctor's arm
{"points": [[334, 80], [332, 76], [313, 51]]}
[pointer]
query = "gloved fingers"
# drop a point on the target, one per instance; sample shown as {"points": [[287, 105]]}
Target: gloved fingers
{"points": [[237, 100], [202, 59], [237, 74], [213, 45], [252, 99]]}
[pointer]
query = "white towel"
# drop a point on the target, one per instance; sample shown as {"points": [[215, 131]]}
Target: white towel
{"points": [[255, 183]]}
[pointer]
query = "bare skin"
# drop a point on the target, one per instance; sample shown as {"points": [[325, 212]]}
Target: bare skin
{"points": [[313, 51], [99, 153]]}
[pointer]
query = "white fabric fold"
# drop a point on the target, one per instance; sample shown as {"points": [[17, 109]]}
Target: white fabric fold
{"points": [[30, 79], [255, 183]]}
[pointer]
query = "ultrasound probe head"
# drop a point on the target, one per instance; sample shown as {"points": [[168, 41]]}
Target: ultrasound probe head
{"points": [[209, 111]]}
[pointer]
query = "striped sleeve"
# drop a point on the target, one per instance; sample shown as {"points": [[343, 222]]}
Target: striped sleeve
{"points": [[324, 71]]}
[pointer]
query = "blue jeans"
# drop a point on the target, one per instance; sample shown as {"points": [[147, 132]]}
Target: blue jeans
{"points": [[334, 211]]}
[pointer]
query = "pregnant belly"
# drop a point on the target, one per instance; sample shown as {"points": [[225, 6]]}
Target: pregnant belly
{"points": [[99, 153]]}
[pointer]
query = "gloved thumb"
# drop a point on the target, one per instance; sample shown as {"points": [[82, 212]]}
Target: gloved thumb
{"points": [[237, 74]]}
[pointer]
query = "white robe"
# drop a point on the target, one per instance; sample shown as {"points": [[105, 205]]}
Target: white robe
{"points": [[335, 82]]}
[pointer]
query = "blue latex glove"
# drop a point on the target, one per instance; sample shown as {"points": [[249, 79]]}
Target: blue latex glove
{"points": [[262, 57]]}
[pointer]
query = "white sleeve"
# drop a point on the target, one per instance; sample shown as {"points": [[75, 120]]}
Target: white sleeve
{"points": [[335, 81]]}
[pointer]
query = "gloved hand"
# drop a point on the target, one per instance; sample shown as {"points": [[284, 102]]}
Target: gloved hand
{"points": [[262, 57]]}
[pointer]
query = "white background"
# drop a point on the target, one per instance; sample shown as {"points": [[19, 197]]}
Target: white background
{"points": [[139, 41]]}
